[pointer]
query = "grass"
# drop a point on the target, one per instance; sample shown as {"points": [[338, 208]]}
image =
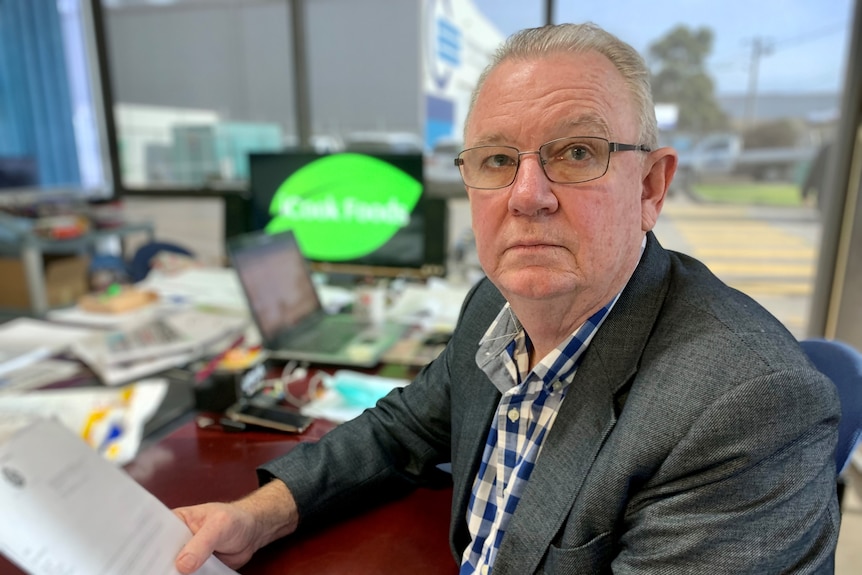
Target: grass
{"points": [[768, 194]]}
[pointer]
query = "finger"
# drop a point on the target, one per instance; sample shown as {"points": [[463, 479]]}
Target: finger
{"points": [[206, 538], [187, 562]]}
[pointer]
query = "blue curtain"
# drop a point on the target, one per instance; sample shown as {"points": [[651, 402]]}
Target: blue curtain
{"points": [[35, 103]]}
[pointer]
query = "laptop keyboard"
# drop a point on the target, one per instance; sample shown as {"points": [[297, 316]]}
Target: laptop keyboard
{"points": [[328, 340]]}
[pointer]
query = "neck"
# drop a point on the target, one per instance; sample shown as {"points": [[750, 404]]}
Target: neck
{"points": [[548, 325]]}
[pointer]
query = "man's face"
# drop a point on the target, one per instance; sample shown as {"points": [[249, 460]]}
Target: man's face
{"points": [[540, 240]]}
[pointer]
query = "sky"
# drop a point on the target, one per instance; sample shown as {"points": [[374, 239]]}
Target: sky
{"points": [[809, 38]]}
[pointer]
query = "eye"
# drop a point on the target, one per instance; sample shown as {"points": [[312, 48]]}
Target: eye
{"points": [[499, 161], [576, 152]]}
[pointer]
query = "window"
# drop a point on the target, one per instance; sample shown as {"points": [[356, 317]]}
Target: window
{"points": [[749, 94]]}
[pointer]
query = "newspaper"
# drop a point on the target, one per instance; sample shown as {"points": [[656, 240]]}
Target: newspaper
{"points": [[119, 356]]}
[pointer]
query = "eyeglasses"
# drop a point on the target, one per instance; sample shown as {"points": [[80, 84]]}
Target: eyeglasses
{"points": [[564, 161]]}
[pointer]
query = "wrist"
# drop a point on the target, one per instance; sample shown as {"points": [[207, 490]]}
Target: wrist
{"points": [[272, 511]]}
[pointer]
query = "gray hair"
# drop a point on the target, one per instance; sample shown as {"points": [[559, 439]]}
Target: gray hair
{"points": [[579, 39]]}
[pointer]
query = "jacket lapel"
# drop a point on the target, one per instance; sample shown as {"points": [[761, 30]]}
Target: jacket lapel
{"points": [[586, 418]]}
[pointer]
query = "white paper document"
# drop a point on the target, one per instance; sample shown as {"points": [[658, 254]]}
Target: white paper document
{"points": [[37, 375], [26, 333], [434, 306], [13, 359], [110, 420], [216, 287], [68, 511]]}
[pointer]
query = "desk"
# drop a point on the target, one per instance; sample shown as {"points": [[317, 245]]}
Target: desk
{"points": [[192, 465]]}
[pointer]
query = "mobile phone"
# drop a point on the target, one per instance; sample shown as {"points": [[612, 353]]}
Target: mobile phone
{"points": [[271, 416]]}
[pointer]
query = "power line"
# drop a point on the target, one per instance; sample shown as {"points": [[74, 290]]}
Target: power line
{"points": [[811, 36], [761, 47], [785, 42]]}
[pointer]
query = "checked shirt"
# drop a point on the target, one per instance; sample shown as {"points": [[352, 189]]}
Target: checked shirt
{"points": [[527, 410]]}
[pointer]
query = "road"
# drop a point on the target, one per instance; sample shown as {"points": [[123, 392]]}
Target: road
{"points": [[770, 253]]}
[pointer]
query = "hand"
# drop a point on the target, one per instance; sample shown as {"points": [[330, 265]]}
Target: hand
{"points": [[222, 528], [234, 531]]}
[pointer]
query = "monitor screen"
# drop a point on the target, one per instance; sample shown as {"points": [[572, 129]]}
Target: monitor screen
{"points": [[53, 134], [358, 213]]}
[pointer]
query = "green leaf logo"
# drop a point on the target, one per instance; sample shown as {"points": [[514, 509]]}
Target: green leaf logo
{"points": [[344, 206]]}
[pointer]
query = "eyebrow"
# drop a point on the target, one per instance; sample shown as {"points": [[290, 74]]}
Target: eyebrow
{"points": [[584, 125]]}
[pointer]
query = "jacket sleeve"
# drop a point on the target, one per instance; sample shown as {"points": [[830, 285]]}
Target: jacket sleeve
{"points": [[386, 451], [750, 488]]}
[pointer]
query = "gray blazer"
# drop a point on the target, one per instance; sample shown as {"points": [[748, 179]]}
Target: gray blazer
{"points": [[696, 438]]}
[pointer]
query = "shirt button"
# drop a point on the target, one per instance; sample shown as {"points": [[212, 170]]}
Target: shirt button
{"points": [[484, 570], [557, 386], [514, 415]]}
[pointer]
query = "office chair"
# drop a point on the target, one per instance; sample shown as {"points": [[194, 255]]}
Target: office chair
{"points": [[843, 365], [140, 264]]}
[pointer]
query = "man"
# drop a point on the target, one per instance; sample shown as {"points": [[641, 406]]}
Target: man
{"points": [[606, 405]]}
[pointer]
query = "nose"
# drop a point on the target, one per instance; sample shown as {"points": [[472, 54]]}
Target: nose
{"points": [[531, 193]]}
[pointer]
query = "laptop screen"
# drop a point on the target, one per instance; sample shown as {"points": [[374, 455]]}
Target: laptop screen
{"points": [[276, 280]]}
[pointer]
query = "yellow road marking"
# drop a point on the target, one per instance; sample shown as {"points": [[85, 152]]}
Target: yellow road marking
{"points": [[761, 269], [806, 254]]}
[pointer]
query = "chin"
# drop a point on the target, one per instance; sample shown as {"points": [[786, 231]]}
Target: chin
{"points": [[536, 284]]}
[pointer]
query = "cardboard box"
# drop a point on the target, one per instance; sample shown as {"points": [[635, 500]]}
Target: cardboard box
{"points": [[66, 279]]}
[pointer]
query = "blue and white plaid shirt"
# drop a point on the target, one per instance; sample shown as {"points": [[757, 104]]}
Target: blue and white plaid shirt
{"points": [[527, 410]]}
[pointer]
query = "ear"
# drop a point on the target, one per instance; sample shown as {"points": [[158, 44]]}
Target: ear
{"points": [[659, 168]]}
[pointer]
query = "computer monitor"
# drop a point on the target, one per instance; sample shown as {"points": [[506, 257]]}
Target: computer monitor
{"points": [[352, 213]]}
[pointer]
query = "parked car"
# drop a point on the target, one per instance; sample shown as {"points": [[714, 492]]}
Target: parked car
{"points": [[724, 154]]}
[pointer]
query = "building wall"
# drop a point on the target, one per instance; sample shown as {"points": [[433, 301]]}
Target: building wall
{"points": [[236, 59]]}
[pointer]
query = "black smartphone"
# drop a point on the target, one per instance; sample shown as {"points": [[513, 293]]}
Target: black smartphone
{"points": [[271, 416]]}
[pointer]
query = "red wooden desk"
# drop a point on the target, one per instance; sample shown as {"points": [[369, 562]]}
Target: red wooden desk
{"points": [[193, 465]]}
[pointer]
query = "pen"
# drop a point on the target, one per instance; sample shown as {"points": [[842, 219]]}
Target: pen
{"points": [[211, 365]]}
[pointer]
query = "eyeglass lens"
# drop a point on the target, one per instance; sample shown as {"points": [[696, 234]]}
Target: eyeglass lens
{"points": [[565, 161]]}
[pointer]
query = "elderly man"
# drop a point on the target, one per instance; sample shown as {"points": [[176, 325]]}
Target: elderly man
{"points": [[606, 405]]}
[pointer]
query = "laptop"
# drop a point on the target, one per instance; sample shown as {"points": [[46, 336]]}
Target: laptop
{"points": [[284, 304]]}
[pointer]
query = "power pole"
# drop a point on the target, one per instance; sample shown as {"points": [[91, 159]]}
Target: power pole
{"points": [[759, 48]]}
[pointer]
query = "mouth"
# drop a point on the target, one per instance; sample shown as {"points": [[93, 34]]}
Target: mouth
{"points": [[526, 248], [529, 244]]}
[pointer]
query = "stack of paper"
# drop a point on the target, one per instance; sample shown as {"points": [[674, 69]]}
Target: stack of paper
{"points": [[25, 346], [15, 357], [119, 356], [434, 307]]}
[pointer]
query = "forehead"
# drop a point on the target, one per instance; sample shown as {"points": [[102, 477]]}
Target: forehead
{"points": [[552, 96]]}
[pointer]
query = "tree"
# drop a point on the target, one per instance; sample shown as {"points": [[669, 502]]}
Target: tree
{"points": [[677, 62], [785, 132]]}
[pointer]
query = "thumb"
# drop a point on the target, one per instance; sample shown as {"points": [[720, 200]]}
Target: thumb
{"points": [[198, 549], [188, 561]]}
